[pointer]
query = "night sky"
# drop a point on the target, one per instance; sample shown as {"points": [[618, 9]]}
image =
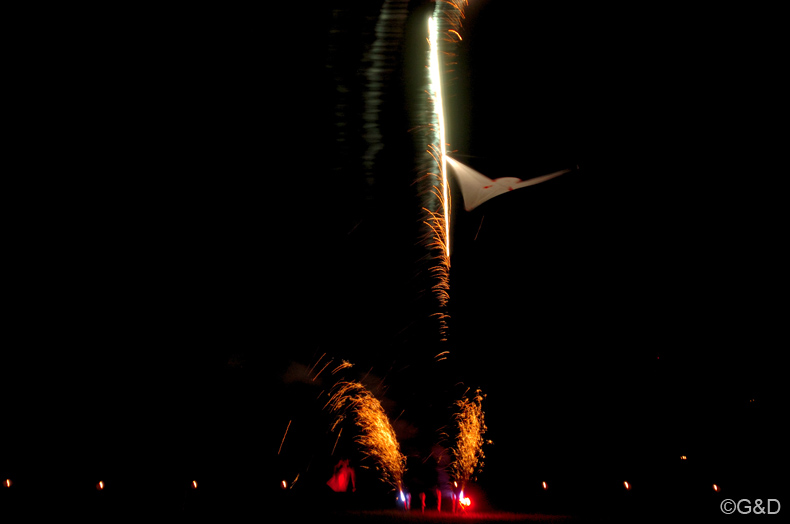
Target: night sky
{"points": [[187, 231]]}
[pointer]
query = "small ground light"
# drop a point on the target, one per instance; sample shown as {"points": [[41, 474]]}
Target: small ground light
{"points": [[627, 485]]}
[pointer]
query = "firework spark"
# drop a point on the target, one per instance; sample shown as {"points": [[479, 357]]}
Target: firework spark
{"points": [[322, 369], [344, 365], [286, 434], [469, 422], [376, 436]]}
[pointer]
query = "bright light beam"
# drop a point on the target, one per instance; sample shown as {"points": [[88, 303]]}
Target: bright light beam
{"points": [[436, 88]]}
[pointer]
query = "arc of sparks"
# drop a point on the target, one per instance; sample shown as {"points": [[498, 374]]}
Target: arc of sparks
{"points": [[376, 435]]}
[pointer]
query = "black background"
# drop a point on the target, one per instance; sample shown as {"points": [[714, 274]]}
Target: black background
{"points": [[183, 226]]}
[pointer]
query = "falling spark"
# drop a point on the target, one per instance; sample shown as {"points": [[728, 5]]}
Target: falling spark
{"points": [[283, 484], [469, 428], [7, 483], [336, 441], [194, 484], [715, 487], [316, 363], [344, 365], [322, 369], [545, 486], [376, 436], [627, 485], [283, 440], [100, 485]]}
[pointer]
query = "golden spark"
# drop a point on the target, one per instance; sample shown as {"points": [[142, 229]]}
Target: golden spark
{"points": [[469, 429], [283, 440], [376, 436]]}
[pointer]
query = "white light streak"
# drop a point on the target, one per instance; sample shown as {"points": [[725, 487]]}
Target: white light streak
{"points": [[436, 88]]}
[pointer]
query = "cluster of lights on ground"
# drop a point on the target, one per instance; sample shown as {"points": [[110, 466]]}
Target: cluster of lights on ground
{"points": [[100, 486], [463, 501]]}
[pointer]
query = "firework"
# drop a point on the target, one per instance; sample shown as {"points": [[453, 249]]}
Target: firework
{"points": [[436, 91], [469, 428], [376, 436], [443, 34]]}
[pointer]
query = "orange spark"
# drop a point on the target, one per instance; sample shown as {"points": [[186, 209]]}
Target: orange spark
{"points": [[344, 365], [627, 485], [336, 440], [322, 369], [316, 363], [194, 484], [545, 486], [283, 440], [441, 355], [7, 483]]}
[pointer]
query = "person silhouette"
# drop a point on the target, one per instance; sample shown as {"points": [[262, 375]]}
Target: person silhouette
{"points": [[343, 474]]}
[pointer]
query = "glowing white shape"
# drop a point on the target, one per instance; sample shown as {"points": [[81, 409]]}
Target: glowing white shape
{"points": [[477, 188]]}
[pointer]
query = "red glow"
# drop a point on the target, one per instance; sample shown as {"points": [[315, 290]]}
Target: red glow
{"points": [[283, 484], [466, 501]]}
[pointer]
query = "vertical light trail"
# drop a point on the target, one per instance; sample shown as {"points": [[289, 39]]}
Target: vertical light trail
{"points": [[390, 26], [443, 35], [436, 92]]}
